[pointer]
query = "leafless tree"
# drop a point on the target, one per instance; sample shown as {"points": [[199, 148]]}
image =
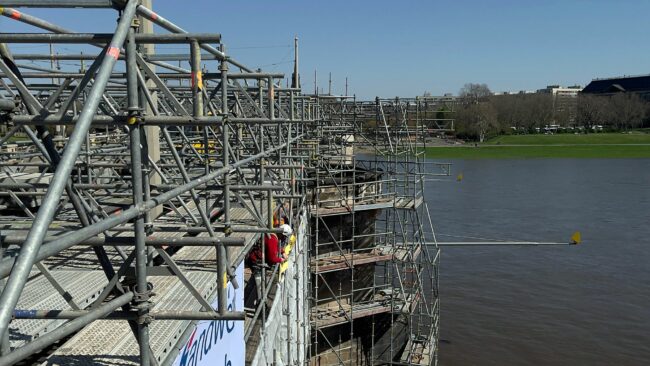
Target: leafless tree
{"points": [[626, 111], [592, 110], [473, 93], [486, 120], [476, 120], [540, 110], [522, 111]]}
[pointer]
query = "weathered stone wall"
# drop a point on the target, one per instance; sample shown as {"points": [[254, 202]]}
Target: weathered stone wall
{"points": [[339, 229]]}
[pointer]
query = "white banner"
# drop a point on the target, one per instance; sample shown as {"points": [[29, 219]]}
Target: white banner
{"points": [[218, 342]]}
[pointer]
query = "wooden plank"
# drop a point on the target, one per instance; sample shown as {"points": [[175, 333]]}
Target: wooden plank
{"points": [[346, 261]]}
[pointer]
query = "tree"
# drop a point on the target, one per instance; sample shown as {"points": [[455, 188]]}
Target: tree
{"points": [[539, 109], [473, 93], [592, 110], [476, 121], [626, 110], [486, 120], [522, 111]]}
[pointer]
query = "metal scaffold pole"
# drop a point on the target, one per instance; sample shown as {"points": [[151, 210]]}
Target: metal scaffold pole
{"points": [[169, 218], [29, 249], [190, 207]]}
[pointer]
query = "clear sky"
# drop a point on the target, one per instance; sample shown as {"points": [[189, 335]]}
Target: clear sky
{"points": [[391, 48]]}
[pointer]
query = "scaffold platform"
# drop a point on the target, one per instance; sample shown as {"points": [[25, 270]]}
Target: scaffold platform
{"points": [[111, 342]]}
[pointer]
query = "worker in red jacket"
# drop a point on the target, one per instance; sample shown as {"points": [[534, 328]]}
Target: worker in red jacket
{"points": [[273, 252]]}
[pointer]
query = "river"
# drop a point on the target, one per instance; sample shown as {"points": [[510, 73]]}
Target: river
{"points": [[567, 305]]}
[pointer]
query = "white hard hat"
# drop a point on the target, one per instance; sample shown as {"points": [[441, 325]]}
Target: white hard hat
{"points": [[286, 229]]}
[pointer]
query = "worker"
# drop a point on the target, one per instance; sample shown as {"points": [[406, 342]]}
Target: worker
{"points": [[273, 254], [276, 217], [286, 212], [273, 249], [281, 214], [285, 237]]}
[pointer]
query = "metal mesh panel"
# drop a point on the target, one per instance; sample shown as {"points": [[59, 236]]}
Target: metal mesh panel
{"points": [[83, 286]]}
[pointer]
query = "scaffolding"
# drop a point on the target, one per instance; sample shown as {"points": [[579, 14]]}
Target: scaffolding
{"points": [[134, 187], [129, 197], [374, 279]]}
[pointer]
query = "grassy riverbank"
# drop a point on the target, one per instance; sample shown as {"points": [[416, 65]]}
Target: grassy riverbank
{"points": [[601, 145], [572, 139]]}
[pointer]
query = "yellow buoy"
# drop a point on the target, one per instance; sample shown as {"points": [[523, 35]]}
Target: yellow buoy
{"points": [[575, 238]]}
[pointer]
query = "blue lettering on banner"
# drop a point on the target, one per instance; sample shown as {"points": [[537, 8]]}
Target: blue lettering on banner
{"points": [[218, 339]]}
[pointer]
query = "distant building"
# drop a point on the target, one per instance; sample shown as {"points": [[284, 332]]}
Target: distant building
{"points": [[556, 90], [565, 102], [639, 85], [515, 92]]}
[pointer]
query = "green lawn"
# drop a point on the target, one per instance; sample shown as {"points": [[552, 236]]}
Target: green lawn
{"points": [[528, 152], [593, 145], [568, 138]]}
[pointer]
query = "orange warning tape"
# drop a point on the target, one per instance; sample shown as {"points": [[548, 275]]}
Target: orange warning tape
{"points": [[15, 14], [197, 79], [114, 52]]}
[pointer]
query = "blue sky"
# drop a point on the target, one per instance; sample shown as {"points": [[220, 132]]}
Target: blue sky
{"points": [[391, 48]]}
